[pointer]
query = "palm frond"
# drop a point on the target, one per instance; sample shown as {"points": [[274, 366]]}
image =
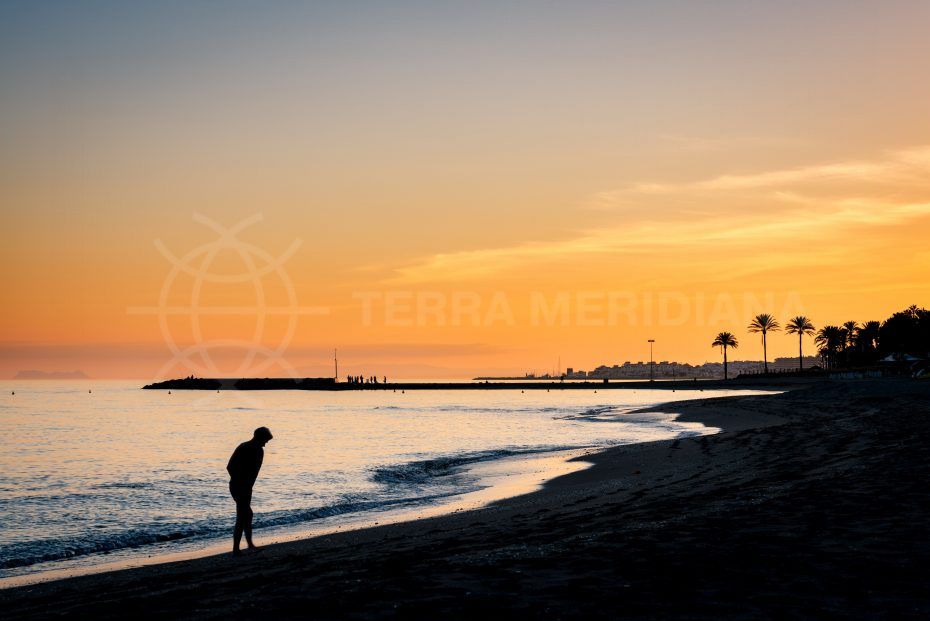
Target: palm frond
{"points": [[725, 339], [800, 325], [763, 323]]}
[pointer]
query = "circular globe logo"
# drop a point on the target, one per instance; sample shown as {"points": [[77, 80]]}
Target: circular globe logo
{"points": [[207, 338]]}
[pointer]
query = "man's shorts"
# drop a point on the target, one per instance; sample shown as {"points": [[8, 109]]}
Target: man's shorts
{"points": [[240, 493]]}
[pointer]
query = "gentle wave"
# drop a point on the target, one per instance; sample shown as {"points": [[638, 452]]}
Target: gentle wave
{"points": [[45, 550], [49, 493], [421, 471], [473, 409], [126, 485], [595, 413]]}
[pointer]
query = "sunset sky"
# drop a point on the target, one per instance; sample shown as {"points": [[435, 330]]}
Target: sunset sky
{"points": [[453, 189]]}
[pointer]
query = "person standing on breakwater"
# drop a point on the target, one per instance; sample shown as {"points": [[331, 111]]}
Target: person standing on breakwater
{"points": [[243, 469]]}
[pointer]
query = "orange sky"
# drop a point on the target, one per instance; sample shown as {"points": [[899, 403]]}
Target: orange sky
{"points": [[473, 190]]}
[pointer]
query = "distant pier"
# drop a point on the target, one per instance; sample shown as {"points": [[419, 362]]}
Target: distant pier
{"points": [[329, 384]]}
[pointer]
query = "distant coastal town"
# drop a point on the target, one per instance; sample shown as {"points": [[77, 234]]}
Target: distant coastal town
{"points": [[669, 370]]}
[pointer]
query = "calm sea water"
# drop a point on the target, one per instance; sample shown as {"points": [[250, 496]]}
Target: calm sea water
{"points": [[122, 471]]}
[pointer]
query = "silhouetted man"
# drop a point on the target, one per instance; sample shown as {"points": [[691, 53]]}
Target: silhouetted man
{"points": [[243, 469]]}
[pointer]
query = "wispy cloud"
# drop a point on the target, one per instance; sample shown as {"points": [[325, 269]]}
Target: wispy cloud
{"points": [[694, 143], [906, 168], [797, 207]]}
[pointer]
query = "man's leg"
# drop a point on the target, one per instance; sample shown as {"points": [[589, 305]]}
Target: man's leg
{"points": [[248, 525], [240, 523]]}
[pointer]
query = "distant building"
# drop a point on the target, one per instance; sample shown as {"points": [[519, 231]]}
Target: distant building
{"points": [[791, 364]]}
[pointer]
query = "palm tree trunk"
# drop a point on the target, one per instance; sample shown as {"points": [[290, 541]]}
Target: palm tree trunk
{"points": [[725, 362], [765, 357], [800, 352]]}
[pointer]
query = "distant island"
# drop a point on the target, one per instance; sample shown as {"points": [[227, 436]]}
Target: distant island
{"points": [[50, 375]]}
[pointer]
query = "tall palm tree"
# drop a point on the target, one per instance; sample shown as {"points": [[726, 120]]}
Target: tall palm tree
{"points": [[830, 340], [724, 340], [764, 323], [801, 326]]}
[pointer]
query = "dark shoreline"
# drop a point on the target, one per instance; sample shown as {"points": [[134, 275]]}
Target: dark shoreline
{"points": [[810, 503]]}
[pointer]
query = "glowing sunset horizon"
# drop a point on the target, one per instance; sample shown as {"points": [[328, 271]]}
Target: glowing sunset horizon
{"points": [[442, 192]]}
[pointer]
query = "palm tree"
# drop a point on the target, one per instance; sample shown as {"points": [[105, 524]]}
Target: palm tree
{"points": [[801, 326], [830, 339], [764, 323], [724, 340], [850, 330], [868, 335]]}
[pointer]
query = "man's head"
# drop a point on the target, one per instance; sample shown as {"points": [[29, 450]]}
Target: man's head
{"points": [[262, 435]]}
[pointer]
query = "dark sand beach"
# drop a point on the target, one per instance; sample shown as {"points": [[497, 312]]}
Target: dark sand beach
{"points": [[810, 504]]}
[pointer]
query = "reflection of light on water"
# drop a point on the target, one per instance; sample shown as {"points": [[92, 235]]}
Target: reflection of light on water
{"points": [[498, 480], [143, 463]]}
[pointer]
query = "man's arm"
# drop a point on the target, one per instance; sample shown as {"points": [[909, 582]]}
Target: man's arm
{"points": [[234, 462]]}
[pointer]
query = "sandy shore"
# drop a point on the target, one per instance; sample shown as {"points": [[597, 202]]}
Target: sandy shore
{"points": [[813, 503]]}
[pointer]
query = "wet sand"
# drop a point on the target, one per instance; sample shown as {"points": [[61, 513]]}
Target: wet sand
{"points": [[813, 503]]}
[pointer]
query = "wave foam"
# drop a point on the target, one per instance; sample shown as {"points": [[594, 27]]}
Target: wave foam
{"points": [[424, 470]]}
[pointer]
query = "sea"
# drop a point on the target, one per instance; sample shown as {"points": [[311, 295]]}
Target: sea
{"points": [[98, 474]]}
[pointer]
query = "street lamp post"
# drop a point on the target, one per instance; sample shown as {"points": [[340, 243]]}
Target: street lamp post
{"points": [[652, 374]]}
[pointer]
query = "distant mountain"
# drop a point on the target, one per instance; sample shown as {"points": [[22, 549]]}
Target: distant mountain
{"points": [[45, 375]]}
